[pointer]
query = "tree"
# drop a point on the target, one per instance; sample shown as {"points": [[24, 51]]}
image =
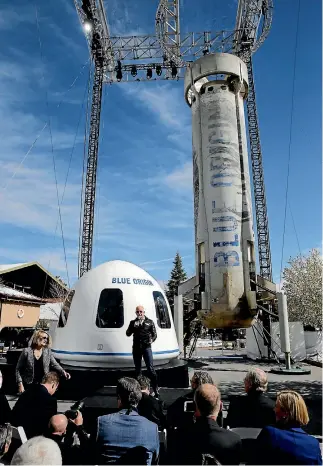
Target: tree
{"points": [[303, 288], [177, 276]]}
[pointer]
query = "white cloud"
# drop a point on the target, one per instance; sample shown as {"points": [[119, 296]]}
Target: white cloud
{"points": [[181, 178]]}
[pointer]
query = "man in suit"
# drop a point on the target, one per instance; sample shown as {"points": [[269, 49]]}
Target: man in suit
{"points": [[177, 416], [206, 436], [255, 409], [144, 334], [148, 406], [36, 406], [119, 432]]}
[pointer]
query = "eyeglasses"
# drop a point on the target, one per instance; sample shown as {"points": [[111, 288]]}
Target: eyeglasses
{"points": [[139, 312], [43, 338]]}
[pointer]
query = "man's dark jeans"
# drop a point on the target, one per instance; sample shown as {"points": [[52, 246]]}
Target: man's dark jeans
{"points": [[146, 353]]}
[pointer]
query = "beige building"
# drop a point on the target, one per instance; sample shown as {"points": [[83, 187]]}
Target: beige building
{"points": [[18, 309]]}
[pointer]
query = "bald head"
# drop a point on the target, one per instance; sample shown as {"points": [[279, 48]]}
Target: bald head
{"points": [[256, 381], [140, 311], [207, 399], [58, 424]]}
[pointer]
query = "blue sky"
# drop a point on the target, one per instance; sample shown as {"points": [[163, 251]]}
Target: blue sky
{"points": [[144, 210]]}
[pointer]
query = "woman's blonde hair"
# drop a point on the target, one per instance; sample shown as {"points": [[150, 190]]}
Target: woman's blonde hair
{"points": [[35, 337], [293, 405]]}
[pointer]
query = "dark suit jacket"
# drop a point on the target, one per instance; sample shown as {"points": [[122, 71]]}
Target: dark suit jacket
{"points": [[5, 410], [177, 417], [252, 410], [33, 410], [25, 365], [152, 409], [278, 445], [207, 436]]}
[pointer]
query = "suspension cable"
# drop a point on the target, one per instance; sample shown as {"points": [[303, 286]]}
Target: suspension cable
{"points": [[290, 138], [67, 174], [44, 127], [52, 149]]}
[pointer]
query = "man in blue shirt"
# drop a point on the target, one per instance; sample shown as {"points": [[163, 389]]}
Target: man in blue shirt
{"points": [[120, 432]]}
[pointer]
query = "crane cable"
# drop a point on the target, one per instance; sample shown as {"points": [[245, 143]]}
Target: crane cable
{"points": [[290, 138], [68, 170], [52, 149], [44, 127]]}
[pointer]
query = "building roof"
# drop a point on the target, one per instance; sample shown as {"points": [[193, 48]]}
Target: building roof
{"points": [[11, 293], [31, 275]]}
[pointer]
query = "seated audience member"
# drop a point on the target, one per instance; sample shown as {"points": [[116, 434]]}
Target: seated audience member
{"points": [[5, 440], [286, 442], [206, 436], [5, 410], [70, 437], [36, 406], [38, 450], [175, 414], [118, 432], [149, 407], [255, 409]]}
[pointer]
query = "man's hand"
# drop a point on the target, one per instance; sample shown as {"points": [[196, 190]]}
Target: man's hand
{"points": [[79, 419], [21, 388], [67, 375]]}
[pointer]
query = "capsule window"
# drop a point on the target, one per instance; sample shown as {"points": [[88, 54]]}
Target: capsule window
{"points": [[66, 309], [110, 309], [162, 314]]}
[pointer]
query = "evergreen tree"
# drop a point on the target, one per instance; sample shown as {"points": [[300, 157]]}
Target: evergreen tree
{"points": [[177, 276]]}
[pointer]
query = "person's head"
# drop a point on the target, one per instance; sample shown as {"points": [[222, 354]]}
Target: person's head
{"points": [[58, 425], [5, 438], [291, 408], [207, 400], [41, 339], [38, 450], [128, 393], [144, 383], [256, 381], [199, 378], [51, 382], [140, 312]]}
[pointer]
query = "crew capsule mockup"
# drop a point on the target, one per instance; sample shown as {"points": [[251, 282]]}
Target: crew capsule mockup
{"points": [[215, 88], [96, 314]]}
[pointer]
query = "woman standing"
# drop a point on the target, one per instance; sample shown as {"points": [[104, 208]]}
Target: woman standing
{"points": [[36, 361]]}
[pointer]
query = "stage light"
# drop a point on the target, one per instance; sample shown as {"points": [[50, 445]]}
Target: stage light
{"points": [[134, 71], [158, 70], [87, 26], [149, 73], [119, 71]]}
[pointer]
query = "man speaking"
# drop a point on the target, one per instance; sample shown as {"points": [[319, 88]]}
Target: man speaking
{"points": [[144, 334]]}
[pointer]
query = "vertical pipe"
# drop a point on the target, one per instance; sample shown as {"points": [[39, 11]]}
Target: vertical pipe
{"points": [[283, 327], [178, 320]]}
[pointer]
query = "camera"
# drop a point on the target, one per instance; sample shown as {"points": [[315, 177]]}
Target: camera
{"points": [[72, 413]]}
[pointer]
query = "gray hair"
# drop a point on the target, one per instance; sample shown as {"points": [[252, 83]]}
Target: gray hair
{"points": [[38, 450], [201, 377], [256, 380], [5, 437], [129, 392]]}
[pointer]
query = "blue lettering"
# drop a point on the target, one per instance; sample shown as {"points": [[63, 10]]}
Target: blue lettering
{"points": [[128, 281], [134, 281], [226, 259], [113, 280], [224, 244], [225, 218]]}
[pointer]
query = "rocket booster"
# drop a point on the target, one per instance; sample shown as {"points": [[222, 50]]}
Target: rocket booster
{"points": [[215, 88]]}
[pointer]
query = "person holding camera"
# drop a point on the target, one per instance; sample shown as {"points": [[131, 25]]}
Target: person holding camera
{"points": [[68, 432], [144, 334]]}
